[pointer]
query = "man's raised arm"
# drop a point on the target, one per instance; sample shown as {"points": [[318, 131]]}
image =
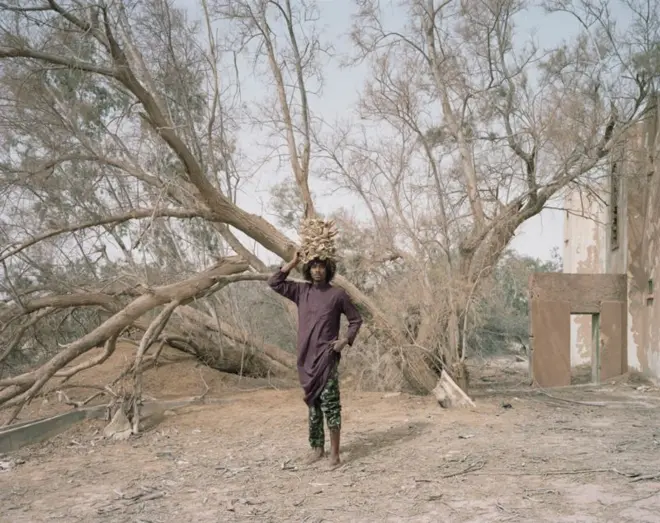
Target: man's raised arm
{"points": [[278, 281]]}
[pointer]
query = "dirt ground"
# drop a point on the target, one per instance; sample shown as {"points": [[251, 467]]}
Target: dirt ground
{"points": [[588, 454]]}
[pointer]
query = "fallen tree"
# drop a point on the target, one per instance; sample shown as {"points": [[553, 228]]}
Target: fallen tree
{"points": [[16, 391], [287, 359]]}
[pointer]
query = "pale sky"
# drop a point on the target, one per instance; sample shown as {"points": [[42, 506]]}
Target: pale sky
{"points": [[537, 237]]}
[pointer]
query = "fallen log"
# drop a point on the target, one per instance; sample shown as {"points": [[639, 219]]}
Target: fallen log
{"points": [[18, 390], [273, 352], [220, 354]]}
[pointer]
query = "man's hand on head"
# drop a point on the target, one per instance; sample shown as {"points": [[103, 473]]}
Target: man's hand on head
{"points": [[339, 344], [288, 267]]}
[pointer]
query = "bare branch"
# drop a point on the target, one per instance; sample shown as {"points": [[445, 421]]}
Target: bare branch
{"points": [[18, 336], [150, 336], [108, 350], [57, 60], [117, 219]]}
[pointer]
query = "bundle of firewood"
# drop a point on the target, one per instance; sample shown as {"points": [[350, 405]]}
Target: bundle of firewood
{"points": [[318, 239]]}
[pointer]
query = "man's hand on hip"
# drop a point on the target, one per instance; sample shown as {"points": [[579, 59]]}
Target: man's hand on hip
{"points": [[339, 344]]}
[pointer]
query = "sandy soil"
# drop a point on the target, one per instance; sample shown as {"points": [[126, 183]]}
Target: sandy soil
{"points": [[587, 454]]}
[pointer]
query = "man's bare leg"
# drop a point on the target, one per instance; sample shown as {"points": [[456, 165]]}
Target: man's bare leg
{"points": [[335, 437]]}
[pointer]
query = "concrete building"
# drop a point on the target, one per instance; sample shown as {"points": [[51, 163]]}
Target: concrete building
{"points": [[620, 234]]}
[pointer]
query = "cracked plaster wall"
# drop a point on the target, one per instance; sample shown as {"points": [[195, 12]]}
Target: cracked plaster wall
{"points": [[641, 204], [584, 252]]}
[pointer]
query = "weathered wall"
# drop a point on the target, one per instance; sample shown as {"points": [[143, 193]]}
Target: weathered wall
{"points": [[641, 182], [584, 252], [585, 292], [553, 298], [550, 333]]}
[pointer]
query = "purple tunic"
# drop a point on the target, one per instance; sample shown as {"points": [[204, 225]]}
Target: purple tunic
{"points": [[319, 313]]}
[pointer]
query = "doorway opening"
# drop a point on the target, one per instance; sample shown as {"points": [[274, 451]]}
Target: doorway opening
{"points": [[585, 339]]}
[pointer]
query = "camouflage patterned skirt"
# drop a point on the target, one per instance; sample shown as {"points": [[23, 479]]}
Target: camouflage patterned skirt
{"points": [[328, 405]]}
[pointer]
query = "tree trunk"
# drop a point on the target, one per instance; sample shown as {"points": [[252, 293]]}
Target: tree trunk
{"points": [[461, 376], [273, 352], [223, 355]]}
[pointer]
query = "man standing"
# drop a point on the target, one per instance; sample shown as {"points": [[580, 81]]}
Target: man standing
{"points": [[320, 306]]}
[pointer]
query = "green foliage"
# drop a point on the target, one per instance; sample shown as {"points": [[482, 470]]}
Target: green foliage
{"points": [[286, 204], [501, 317]]}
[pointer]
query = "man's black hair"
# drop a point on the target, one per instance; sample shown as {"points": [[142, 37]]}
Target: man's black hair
{"points": [[330, 269]]}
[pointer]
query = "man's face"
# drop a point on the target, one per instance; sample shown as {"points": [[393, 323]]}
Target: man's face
{"points": [[317, 272]]}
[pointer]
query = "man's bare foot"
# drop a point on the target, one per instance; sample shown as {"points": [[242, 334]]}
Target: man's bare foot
{"points": [[335, 461], [335, 436], [315, 455]]}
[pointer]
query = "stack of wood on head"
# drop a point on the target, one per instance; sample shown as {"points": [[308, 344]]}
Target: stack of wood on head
{"points": [[317, 238]]}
